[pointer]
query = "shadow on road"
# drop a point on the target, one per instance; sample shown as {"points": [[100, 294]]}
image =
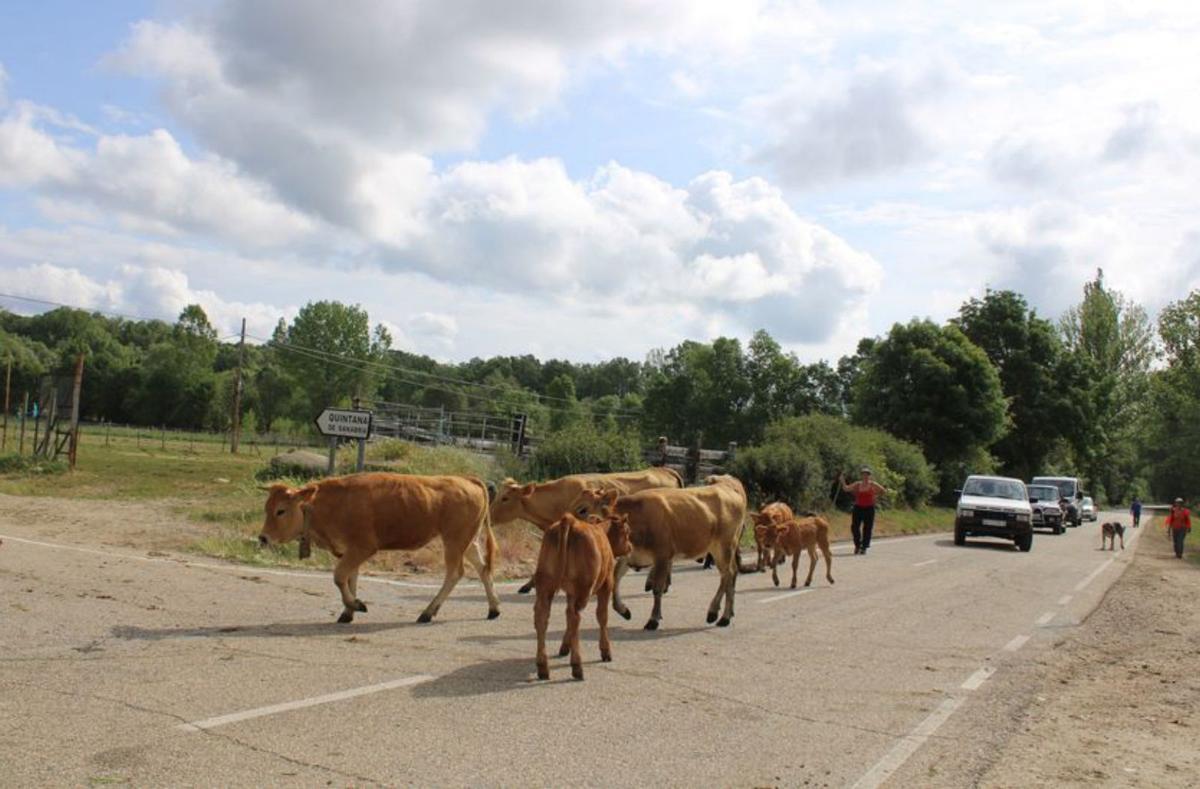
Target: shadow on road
{"points": [[987, 545], [272, 630], [615, 632]]}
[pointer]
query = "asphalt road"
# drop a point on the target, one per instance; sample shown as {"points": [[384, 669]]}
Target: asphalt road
{"points": [[162, 670]]}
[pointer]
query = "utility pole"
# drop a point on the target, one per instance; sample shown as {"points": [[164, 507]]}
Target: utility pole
{"points": [[236, 435], [7, 386], [77, 388]]}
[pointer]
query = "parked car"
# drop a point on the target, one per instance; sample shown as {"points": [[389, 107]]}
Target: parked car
{"points": [[1046, 512], [1087, 509], [1070, 489], [994, 507]]}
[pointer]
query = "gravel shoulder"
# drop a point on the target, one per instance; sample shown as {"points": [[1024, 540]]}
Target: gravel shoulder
{"points": [[1120, 706]]}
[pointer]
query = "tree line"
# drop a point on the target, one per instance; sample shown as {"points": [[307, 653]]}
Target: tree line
{"points": [[1103, 392]]}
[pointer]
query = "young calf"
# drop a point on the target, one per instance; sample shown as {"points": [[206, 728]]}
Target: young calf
{"points": [[764, 522], [1109, 532], [577, 556], [800, 534]]}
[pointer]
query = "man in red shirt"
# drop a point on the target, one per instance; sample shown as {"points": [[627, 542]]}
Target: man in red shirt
{"points": [[1179, 523]]}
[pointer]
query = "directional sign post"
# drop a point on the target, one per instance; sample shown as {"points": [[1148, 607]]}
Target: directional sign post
{"points": [[345, 423]]}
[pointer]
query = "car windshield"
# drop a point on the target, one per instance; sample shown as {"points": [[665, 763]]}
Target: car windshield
{"points": [[1087, 501], [1066, 487], [1043, 492], [995, 488]]}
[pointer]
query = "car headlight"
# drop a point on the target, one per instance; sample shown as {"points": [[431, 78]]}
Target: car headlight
{"points": [[1023, 516], [966, 513]]}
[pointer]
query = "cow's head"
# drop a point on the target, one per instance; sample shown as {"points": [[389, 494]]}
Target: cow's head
{"points": [[509, 502], [283, 514], [764, 535], [618, 535], [594, 501]]}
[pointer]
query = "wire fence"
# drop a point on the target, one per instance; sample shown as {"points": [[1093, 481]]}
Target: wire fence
{"points": [[111, 434]]}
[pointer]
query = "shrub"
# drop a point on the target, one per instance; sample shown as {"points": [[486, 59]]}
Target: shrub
{"points": [[582, 448], [800, 457], [12, 463]]}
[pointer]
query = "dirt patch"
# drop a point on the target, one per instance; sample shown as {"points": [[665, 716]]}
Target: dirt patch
{"points": [[1121, 707]]}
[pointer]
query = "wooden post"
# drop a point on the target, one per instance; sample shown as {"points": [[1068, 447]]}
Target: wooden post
{"points": [[162, 436], [332, 455], [236, 436], [37, 423], [77, 387], [107, 429], [7, 405], [24, 411]]}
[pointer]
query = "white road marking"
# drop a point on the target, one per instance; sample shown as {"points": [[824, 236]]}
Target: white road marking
{"points": [[328, 698], [784, 596], [1016, 643], [1045, 618], [895, 758], [241, 568], [1092, 576], [978, 678], [1065, 599], [927, 561]]}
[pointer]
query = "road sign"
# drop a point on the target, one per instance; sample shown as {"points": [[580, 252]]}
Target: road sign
{"points": [[344, 423]]}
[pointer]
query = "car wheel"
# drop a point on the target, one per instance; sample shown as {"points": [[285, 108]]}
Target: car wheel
{"points": [[1058, 529], [959, 537], [1025, 543]]}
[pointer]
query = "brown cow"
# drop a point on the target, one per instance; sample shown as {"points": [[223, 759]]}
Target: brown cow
{"points": [[800, 534], [354, 517], [764, 522], [687, 522], [544, 503], [577, 557]]}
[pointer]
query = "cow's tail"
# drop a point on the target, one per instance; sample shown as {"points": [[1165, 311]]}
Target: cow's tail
{"points": [[678, 477], [563, 539], [489, 537]]}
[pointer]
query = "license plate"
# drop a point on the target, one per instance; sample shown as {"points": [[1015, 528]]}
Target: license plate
{"points": [[994, 522]]}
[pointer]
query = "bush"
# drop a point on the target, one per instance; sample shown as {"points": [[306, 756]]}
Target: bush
{"points": [[800, 457], [582, 448]]}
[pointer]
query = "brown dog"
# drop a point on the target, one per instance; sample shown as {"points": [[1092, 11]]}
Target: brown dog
{"points": [[800, 534], [1109, 533], [578, 557]]}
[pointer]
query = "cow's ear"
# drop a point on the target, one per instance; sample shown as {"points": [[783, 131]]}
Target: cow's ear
{"points": [[760, 531], [781, 528], [610, 498], [306, 493], [528, 490]]}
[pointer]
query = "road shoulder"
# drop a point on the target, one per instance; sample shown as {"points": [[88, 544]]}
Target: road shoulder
{"points": [[1119, 706]]}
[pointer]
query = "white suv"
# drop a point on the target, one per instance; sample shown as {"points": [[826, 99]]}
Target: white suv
{"points": [[994, 507]]}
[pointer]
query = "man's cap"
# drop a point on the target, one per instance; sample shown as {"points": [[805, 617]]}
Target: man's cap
{"points": [[1178, 501], [865, 470]]}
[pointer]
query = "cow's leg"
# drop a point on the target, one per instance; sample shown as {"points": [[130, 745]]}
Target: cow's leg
{"points": [[574, 617], [485, 575], [528, 585], [454, 571], [541, 620], [662, 573], [345, 578], [774, 565], [727, 563], [619, 573], [828, 561], [812, 565], [602, 596]]}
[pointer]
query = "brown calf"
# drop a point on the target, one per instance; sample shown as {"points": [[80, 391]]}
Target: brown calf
{"points": [[686, 523], [356, 516], [764, 523], [577, 557], [800, 534]]}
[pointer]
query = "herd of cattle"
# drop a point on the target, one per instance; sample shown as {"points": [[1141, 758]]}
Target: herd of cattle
{"points": [[595, 527]]}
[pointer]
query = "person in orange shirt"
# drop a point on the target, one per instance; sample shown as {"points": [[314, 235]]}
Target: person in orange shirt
{"points": [[865, 491], [1179, 523]]}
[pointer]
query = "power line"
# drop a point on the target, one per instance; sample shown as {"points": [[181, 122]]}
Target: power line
{"points": [[110, 313]]}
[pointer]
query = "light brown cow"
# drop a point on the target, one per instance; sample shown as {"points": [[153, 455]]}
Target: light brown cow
{"points": [[543, 503], [687, 523], [764, 523], [800, 534], [356, 516], [577, 557]]}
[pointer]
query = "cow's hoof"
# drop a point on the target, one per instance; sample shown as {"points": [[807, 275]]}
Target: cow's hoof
{"points": [[493, 613], [346, 618], [776, 580], [359, 605], [649, 586], [652, 625], [543, 672], [712, 617], [526, 589], [577, 672], [829, 579], [425, 618], [625, 613], [723, 622], [564, 650], [605, 658]]}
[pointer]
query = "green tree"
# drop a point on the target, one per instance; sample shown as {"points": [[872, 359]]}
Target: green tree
{"points": [[332, 353], [177, 385], [1027, 353], [1172, 423], [931, 385], [702, 390], [564, 407]]}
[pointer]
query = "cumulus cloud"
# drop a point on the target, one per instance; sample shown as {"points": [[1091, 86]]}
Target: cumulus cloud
{"points": [[1138, 132]]}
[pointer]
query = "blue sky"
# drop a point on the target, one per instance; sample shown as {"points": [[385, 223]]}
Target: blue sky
{"points": [[589, 180]]}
